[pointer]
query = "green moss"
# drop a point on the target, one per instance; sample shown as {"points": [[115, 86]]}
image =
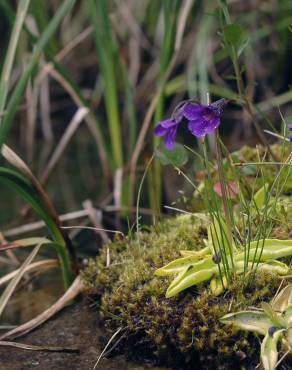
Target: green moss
{"points": [[184, 330], [179, 330]]}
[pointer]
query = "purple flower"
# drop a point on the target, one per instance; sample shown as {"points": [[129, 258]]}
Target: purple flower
{"points": [[202, 120], [167, 129], [290, 128]]}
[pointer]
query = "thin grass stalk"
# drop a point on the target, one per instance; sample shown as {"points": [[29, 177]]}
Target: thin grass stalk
{"points": [[13, 283], [263, 235], [224, 195], [10, 54], [106, 51], [170, 9], [19, 89], [139, 194], [212, 205], [40, 12], [131, 112], [240, 84]]}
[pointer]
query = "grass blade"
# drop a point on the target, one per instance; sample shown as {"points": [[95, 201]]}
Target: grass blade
{"points": [[10, 55], [40, 45], [12, 285]]}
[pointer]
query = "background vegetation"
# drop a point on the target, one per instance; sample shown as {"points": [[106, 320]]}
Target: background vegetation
{"points": [[83, 84]]}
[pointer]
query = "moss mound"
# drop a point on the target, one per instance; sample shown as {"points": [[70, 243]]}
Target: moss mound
{"points": [[183, 331], [180, 331]]}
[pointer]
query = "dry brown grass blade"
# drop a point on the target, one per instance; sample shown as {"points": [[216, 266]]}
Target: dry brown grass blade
{"points": [[72, 127], [22, 229], [5, 296], [17, 162], [76, 288], [32, 267], [32, 347], [90, 121]]}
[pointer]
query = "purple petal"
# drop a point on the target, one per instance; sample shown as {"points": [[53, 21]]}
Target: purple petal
{"points": [[197, 127], [160, 130], [163, 126], [193, 111], [167, 123], [212, 124], [169, 138]]}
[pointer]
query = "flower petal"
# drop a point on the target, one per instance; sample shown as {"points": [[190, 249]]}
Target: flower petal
{"points": [[197, 127], [193, 111], [169, 138], [290, 128], [163, 126], [167, 123], [160, 130], [212, 124]]}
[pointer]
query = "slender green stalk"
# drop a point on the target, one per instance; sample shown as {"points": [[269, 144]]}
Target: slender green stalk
{"points": [[212, 206], [170, 9], [107, 54], [224, 196], [240, 84], [10, 55], [19, 89]]}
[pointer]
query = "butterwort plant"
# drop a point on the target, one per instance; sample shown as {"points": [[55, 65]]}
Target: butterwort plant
{"points": [[225, 256], [201, 120]]}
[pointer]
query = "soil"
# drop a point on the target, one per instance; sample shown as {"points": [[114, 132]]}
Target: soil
{"points": [[75, 326]]}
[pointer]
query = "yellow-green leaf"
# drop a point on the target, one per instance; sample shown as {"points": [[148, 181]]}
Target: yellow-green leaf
{"points": [[269, 351], [283, 299], [253, 321]]}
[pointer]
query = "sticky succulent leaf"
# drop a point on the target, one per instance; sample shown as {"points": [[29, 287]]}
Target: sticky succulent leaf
{"points": [[202, 252], [289, 338], [269, 351], [180, 264], [259, 198], [178, 278], [288, 316], [274, 266], [267, 249], [190, 277], [218, 285], [254, 321], [283, 299]]}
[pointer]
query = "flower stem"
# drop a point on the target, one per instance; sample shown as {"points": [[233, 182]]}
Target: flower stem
{"points": [[224, 196]]}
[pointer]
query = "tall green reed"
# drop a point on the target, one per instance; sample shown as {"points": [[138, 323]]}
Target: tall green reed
{"points": [[169, 9], [16, 96], [107, 57]]}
